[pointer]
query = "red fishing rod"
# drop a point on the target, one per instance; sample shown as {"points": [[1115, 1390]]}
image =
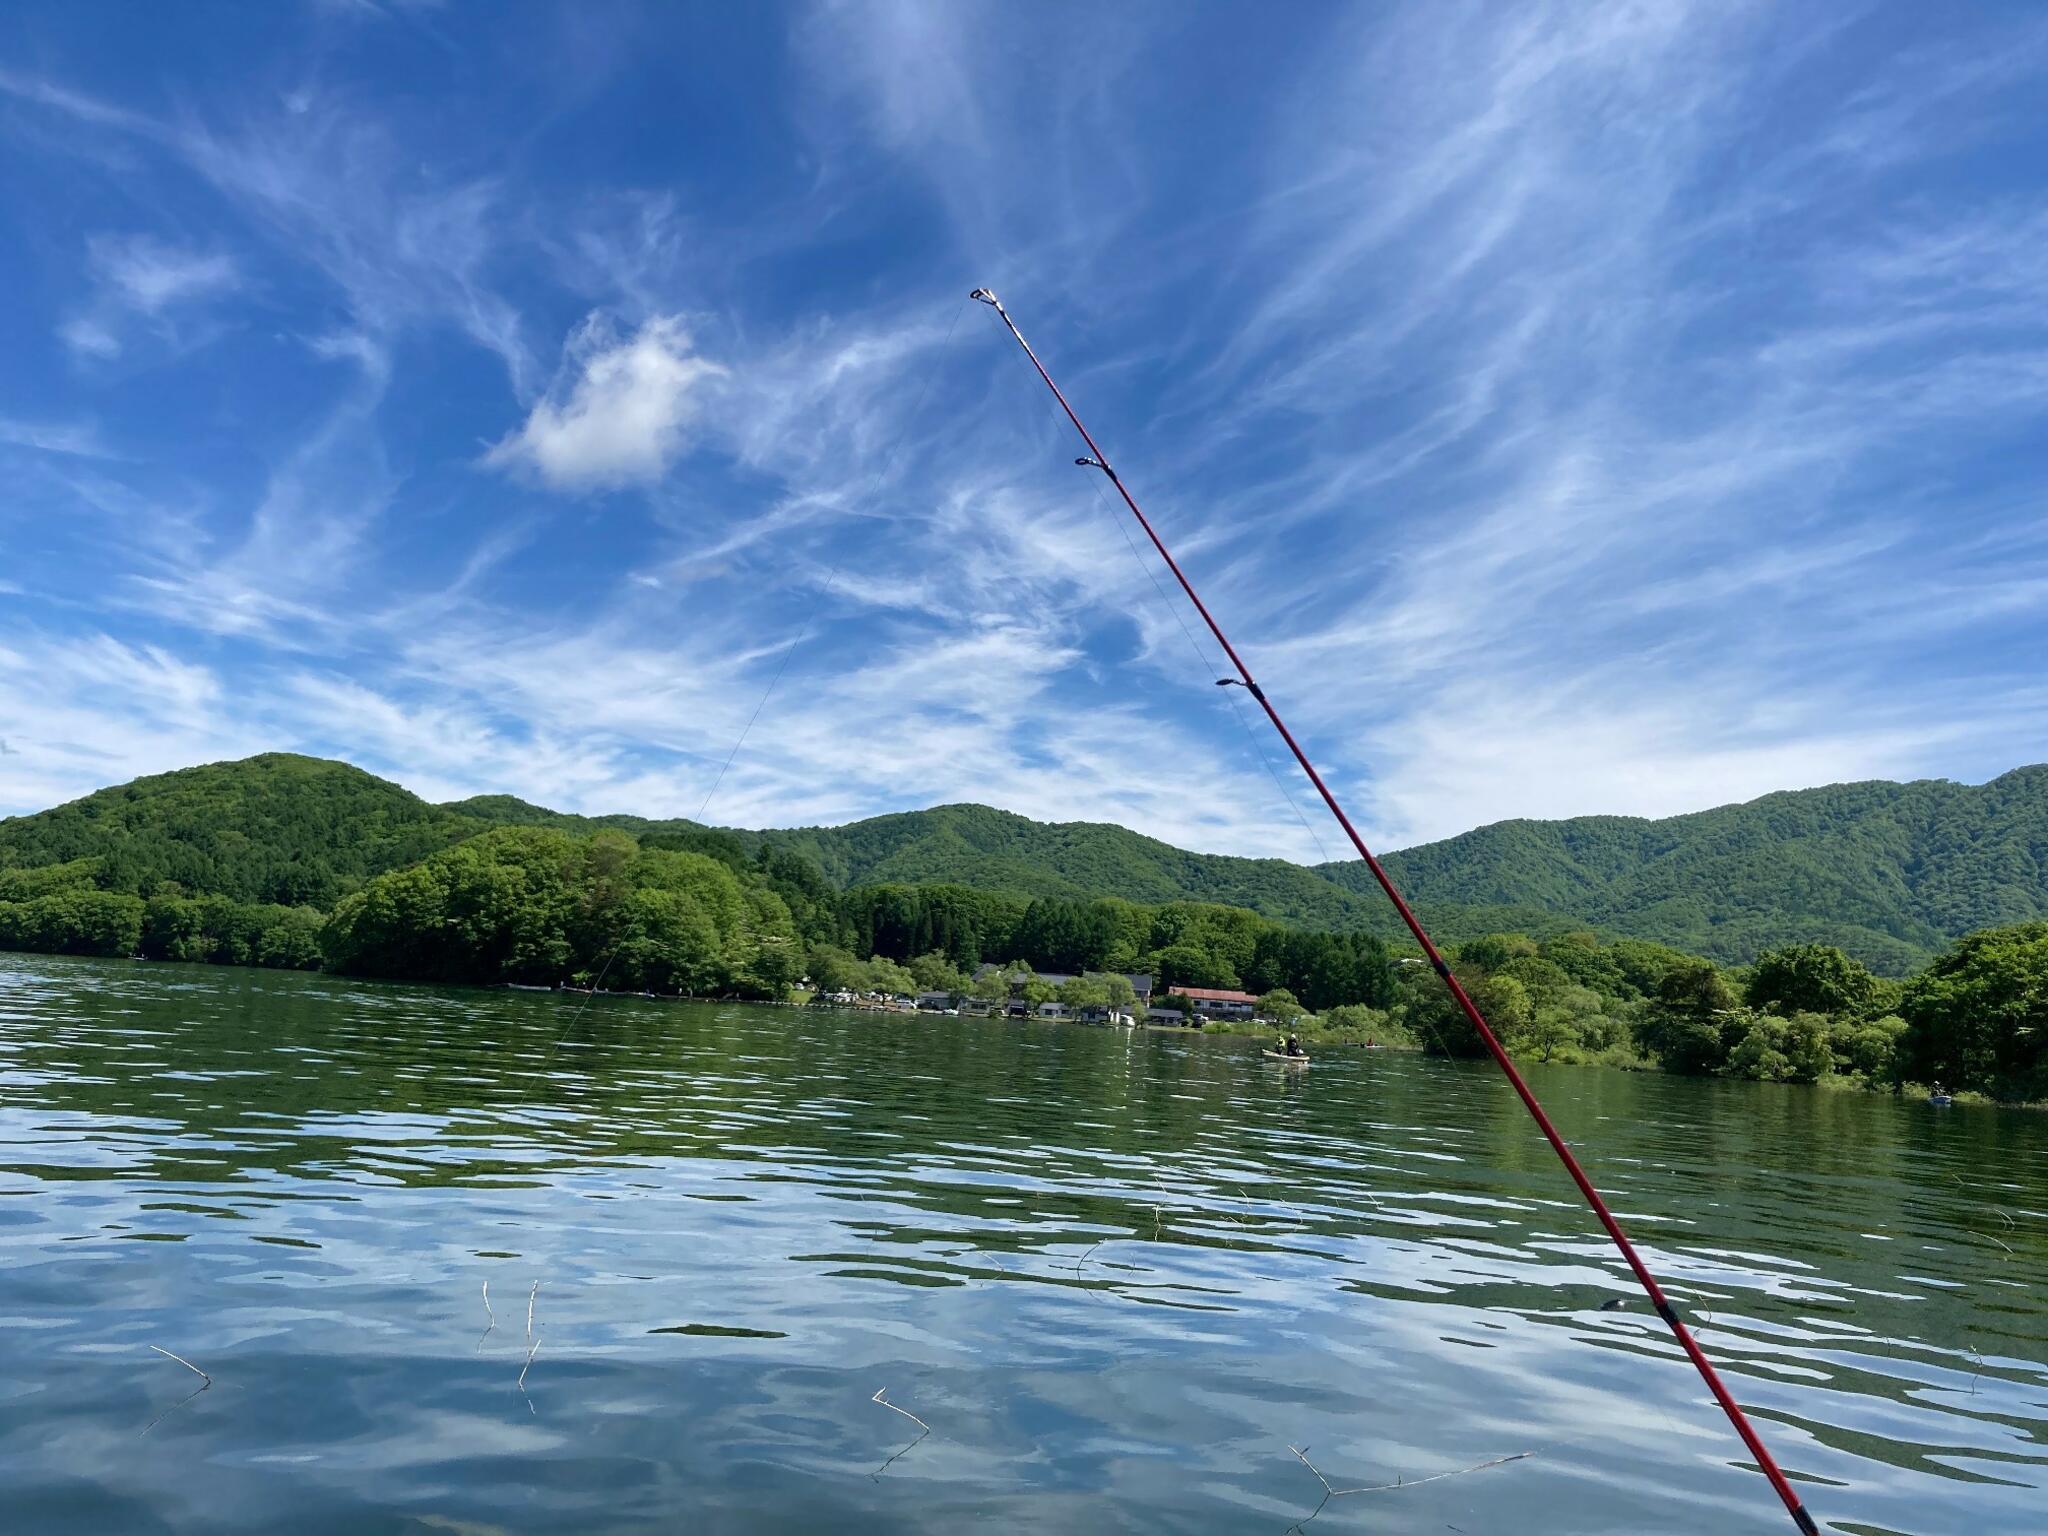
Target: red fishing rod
{"points": [[1096, 459]]}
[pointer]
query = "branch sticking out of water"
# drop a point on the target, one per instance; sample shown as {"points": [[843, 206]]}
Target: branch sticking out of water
{"points": [[1331, 1492], [187, 1364], [923, 1429], [491, 1318], [531, 1350], [532, 1346], [205, 1381], [879, 1398]]}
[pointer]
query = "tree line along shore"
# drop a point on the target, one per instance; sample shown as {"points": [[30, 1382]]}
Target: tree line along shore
{"points": [[688, 914]]}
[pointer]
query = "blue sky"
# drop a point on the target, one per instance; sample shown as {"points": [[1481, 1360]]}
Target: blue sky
{"points": [[1605, 408]]}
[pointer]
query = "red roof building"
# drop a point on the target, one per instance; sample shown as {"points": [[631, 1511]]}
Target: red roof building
{"points": [[1219, 1002], [1213, 995]]}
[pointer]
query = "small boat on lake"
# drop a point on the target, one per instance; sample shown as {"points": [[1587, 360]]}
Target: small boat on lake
{"points": [[1282, 1056]]}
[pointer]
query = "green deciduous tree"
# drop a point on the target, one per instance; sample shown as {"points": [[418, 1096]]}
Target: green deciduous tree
{"points": [[833, 969], [1190, 965], [936, 972], [1691, 1024], [1809, 978], [885, 975], [1769, 1048], [1281, 1006], [532, 904], [1436, 1020], [1868, 1049], [1084, 992], [1978, 1016]]}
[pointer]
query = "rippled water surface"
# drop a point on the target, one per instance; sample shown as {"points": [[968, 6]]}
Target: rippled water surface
{"points": [[1117, 1275]]}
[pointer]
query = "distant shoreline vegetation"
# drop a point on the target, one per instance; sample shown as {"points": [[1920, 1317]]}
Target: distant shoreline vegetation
{"points": [[536, 906], [297, 863]]}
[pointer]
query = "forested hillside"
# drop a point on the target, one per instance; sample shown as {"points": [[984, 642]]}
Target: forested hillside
{"points": [[1889, 872], [293, 862], [295, 831], [993, 850]]}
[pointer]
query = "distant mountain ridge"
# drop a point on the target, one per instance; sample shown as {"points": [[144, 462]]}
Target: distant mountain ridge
{"points": [[1888, 871], [1891, 872]]}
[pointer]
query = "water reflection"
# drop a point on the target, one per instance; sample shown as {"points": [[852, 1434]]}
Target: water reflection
{"points": [[1117, 1275]]}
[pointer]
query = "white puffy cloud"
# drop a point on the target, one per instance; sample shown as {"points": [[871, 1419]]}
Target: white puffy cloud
{"points": [[618, 410]]}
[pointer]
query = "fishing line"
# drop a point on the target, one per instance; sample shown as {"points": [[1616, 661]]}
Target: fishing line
{"points": [[1209, 668], [1737, 1417], [803, 633], [832, 578]]}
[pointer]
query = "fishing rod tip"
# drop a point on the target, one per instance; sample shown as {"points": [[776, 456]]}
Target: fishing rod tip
{"points": [[984, 295]]}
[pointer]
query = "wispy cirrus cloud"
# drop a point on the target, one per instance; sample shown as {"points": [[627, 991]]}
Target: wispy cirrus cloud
{"points": [[1579, 410], [143, 281], [71, 439]]}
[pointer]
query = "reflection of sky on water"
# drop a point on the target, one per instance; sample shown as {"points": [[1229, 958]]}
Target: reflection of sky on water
{"points": [[1117, 1274]]}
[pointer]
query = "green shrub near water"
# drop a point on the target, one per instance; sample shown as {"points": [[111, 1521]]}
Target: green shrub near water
{"points": [[73, 922], [531, 904], [1977, 1018]]}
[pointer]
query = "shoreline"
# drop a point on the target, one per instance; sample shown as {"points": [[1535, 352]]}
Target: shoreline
{"points": [[1214, 1030]]}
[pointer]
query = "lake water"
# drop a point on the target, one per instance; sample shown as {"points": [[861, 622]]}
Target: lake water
{"points": [[1116, 1274]]}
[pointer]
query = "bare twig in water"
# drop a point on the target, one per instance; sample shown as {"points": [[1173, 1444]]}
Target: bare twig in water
{"points": [[187, 1364], [531, 1350], [1331, 1492], [923, 1429], [491, 1317], [181, 1402], [205, 1381], [1088, 1255], [532, 1347], [1997, 1209], [879, 1398]]}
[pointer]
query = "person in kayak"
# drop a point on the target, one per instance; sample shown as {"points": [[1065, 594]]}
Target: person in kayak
{"points": [[1293, 1047]]}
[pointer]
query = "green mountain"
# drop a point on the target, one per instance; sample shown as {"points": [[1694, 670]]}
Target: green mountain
{"points": [[276, 828], [992, 850], [1888, 871]]}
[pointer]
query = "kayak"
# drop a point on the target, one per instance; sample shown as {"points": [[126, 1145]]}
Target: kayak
{"points": [[1292, 1061]]}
